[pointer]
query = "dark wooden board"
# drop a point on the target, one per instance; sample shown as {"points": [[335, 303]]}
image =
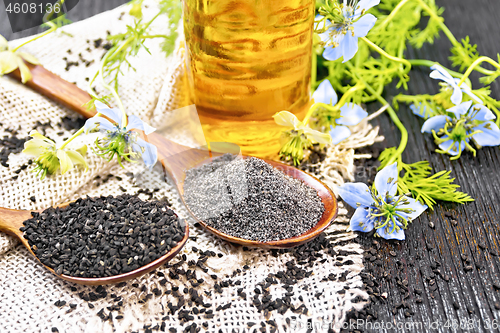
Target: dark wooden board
{"points": [[478, 222]]}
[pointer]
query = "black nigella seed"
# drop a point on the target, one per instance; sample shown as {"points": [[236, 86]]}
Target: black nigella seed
{"points": [[96, 231], [33, 198], [248, 198]]}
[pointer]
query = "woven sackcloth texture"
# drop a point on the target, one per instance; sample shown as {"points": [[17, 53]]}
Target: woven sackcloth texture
{"points": [[28, 292]]}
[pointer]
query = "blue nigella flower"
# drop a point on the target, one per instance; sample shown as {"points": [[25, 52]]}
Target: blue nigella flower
{"points": [[350, 114], [439, 73], [122, 141], [348, 23], [380, 208], [465, 122]]}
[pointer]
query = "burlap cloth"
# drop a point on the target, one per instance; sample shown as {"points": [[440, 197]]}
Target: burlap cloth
{"points": [[28, 291]]}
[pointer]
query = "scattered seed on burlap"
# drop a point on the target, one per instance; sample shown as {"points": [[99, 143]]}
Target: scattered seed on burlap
{"points": [[248, 198], [104, 236]]}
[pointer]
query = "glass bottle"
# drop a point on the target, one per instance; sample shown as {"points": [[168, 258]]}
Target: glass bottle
{"points": [[247, 60]]}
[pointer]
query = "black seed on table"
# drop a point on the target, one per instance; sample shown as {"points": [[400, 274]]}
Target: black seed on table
{"points": [[456, 305], [54, 329], [470, 309], [73, 306], [33, 198], [496, 285]]}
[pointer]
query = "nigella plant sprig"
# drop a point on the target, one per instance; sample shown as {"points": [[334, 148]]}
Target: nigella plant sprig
{"points": [[128, 44], [464, 123], [119, 138], [327, 114], [12, 58], [380, 208], [49, 158]]}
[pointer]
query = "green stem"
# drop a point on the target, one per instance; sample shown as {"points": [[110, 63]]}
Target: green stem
{"points": [[476, 63], [387, 55], [78, 133], [316, 106], [392, 114], [430, 63], [392, 14], [155, 36], [53, 28], [443, 26]]}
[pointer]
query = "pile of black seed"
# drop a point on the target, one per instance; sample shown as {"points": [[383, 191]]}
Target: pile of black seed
{"points": [[248, 198], [104, 236]]}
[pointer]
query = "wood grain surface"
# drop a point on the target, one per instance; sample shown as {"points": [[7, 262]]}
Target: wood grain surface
{"points": [[476, 233]]}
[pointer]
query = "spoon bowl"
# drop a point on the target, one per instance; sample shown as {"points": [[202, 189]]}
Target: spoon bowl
{"points": [[176, 159], [329, 214], [11, 220]]}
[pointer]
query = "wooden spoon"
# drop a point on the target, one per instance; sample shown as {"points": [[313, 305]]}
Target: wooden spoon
{"points": [[176, 159], [11, 220]]}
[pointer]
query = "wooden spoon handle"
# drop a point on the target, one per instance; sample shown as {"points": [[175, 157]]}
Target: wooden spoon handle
{"points": [[11, 220], [57, 89], [174, 157]]}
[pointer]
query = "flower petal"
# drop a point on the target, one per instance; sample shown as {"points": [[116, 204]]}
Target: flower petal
{"points": [[135, 122], [456, 96], [396, 234], [439, 73], [350, 47], [102, 124], [8, 62], [355, 194], [25, 71], [363, 25], [460, 109], [325, 93], [285, 118], [455, 146], [150, 153], [483, 113], [351, 114], [112, 113], [339, 133], [35, 147], [36, 135], [29, 58], [364, 5], [417, 207], [360, 222], [416, 110], [385, 180], [434, 123], [317, 136], [466, 89], [332, 53], [64, 161], [76, 158], [490, 135], [321, 25]]}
